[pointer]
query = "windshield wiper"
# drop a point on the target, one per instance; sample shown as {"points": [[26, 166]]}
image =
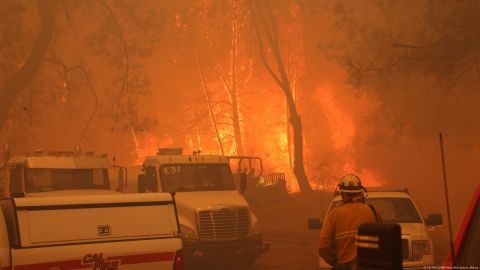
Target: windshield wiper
{"points": [[182, 189]]}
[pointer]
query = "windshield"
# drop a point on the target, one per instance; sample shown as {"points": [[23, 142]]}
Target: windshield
{"points": [[252, 166], [196, 177], [395, 210], [42, 180]]}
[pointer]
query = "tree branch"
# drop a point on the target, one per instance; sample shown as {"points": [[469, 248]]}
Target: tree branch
{"points": [[207, 96], [95, 108], [224, 78], [125, 55], [262, 49], [271, 30], [82, 69], [67, 14]]}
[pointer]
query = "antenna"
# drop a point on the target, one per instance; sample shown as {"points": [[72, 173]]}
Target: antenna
{"points": [[452, 249], [78, 150], [6, 153]]}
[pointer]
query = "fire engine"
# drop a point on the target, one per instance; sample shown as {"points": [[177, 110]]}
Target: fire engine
{"points": [[215, 219], [58, 212]]}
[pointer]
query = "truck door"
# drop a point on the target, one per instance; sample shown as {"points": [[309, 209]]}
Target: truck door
{"points": [[118, 178], [151, 178], [4, 243], [252, 166]]}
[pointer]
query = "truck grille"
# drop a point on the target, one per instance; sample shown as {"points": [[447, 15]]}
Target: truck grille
{"points": [[223, 223], [405, 250]]}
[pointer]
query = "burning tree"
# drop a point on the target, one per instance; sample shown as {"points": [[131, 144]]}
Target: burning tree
{"points": [[268, 41], [231, 83], [213, 34], [236, 18]]}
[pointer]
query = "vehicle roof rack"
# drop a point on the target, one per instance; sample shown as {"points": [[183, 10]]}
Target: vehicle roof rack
{"points": [[170, 152], [61, 153], [382, 189], [387, 189]]}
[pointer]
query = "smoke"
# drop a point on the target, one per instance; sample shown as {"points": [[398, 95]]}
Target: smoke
{"points": [[388, 136]]}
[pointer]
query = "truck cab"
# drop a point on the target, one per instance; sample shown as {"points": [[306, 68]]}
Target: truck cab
{"points": [[55, 173], [216, 223]]}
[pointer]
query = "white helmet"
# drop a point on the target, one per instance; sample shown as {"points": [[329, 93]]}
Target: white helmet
{"points": [[350, 183]]}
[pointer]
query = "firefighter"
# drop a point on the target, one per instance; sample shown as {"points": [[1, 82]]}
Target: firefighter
{"points": [[337, 240]]}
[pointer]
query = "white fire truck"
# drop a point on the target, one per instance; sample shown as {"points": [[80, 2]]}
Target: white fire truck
{"points": [[53, 217], [89, 232], [215, 219], [55, 173]]}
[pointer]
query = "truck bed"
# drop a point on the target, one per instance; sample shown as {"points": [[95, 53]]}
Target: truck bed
{"points": [[122, 231]]}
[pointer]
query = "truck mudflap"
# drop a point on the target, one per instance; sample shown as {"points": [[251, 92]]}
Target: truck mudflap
{"points": [[234, 251], [135, 255]]}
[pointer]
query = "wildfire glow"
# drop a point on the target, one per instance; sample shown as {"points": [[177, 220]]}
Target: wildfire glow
{"points": [[146, 144], [368, 176], [342, 134], [274, 147], [339, 120], [278, 159]]}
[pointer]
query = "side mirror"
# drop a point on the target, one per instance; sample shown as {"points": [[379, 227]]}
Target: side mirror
{"points": [[152, 184], [315, 224], [243, 182], [379, 246], [120, 179], [434, 220], [16, 182], [142, 183]]}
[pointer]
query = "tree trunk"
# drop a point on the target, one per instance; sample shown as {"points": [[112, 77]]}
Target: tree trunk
{"points": [[210, 107], [298, 162], [288, 128], [236, 124], [233, 91], [15, 84], [289, 137], [269, 27]]}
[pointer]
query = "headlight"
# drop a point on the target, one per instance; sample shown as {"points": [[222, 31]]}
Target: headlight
{"points": [[187, 232], [420, 248], [256, 227]]}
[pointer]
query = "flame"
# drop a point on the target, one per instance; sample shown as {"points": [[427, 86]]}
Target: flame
{"points": [[147, 144], [340, 121], [178, 20], [227, 138], [278, 159], [342, 133], [369, 177], [273, 146]]}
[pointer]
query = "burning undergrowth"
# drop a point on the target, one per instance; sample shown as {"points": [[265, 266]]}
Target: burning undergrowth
{"points": [[269, 136]]}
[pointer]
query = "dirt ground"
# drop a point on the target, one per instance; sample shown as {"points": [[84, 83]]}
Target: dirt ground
{"points": [[294, 246]]}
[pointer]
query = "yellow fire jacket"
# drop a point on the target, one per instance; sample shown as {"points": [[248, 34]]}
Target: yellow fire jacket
{"points": [[337, 239]]}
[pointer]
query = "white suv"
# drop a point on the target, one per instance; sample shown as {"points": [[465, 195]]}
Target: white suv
{"points": [[396, 206]]}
